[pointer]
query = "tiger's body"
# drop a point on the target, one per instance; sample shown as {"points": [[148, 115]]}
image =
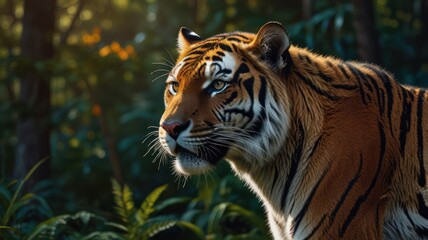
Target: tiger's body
{"points": [[334, 149]]}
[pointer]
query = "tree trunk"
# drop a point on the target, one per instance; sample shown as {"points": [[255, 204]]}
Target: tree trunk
{"points": [[365, 27], [307, 9], [33, 126]]}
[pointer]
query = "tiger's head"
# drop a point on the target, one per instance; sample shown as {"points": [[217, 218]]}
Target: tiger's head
{"points": [[224, 99]]}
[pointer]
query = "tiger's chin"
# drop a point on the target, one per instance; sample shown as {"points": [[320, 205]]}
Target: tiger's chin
{"points": [[190, 164]]}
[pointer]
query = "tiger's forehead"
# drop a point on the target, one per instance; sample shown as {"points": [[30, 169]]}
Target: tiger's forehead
{"points": [[208, 66]]}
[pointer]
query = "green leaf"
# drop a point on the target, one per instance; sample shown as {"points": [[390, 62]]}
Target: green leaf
{"points": [[146, 207], [221, 210], [104, 236], [7, 228], [156, 228], [123, 201], [197, 231], [189, 230], [67, 225], [215, 218], [11, 207]]}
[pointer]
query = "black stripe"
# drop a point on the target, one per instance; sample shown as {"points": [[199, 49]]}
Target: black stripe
{"points": [[343, 70], [348, 188], [224, 71], [262, 93], [325, 77], [344, 86], [388, 87], [217, 58], [299, 217], [300, 56], [221, 53], [316, 88], [295, 158], [195, 52], [405, 120], [315, 229], [406, 212], [362, 198], [232, 97], [307, 59], [315, 146], [362, 92], [243, 68], [234, 39], [207, 46], [419, 116], [359, 75], [201, 69], [219, 116], [249, 85], [422, 208], [257, 125], [241, 36], [379, 93], [249, 114], [225, 47], [329, 64], [422, 232], [210, 124]]}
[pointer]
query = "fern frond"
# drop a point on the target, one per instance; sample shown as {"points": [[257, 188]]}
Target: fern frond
{"points": [[104, 236], [146, 207], [156, 228], [64, 225], [123, 201], [190, 230]]}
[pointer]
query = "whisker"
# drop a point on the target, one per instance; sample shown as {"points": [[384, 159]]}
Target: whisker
{"points": [[163, 64], [163, 75], [169, 62], [159, 70], [170, 55]]}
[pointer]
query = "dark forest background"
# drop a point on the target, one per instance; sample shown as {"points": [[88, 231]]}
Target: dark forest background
{"points": [[81, 84]]}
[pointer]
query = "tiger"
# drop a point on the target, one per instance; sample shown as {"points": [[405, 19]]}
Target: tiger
{"points": [[334, 149]]}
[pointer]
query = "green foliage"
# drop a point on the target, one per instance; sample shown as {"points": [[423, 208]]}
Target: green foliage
{"points": [[135, 220], [224, 210], [14, 208], [227, 215], [82, 225], [124, 202], [133, 223]]}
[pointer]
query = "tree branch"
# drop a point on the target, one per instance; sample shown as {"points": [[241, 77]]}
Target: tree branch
{"points": [[67, 32]]}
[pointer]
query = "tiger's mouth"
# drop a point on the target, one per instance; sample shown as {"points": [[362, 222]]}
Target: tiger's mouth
{"points": [[189, 163]]}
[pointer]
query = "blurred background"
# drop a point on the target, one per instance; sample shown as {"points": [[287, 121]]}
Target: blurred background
{"points": [[81, 85]]}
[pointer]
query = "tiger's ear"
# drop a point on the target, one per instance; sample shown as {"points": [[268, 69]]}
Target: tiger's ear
{"points": [[271, 45], [186, 37]]}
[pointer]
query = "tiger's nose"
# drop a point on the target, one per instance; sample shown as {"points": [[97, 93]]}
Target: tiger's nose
{"points": [[174, 128]]}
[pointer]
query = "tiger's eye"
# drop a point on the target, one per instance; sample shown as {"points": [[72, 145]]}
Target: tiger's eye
{"points": [[173, 88], [218, 85]]}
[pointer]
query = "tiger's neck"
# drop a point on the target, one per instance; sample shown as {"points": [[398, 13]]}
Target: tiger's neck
{"points": [[283, 168], [312, 89]]}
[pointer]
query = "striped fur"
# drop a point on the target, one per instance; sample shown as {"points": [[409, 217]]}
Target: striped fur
{"points": [[334, 149]]}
